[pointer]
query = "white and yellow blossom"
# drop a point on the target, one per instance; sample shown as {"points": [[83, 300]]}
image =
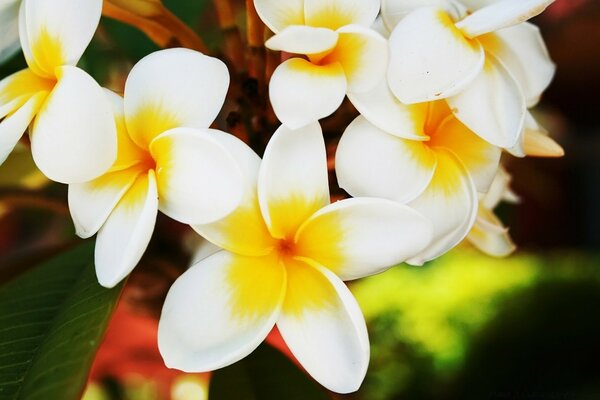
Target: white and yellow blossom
{"points": [[481, 57], [424, 157], [287, 251], [73, 136], [336, 53], [168, 160], [9, 28]]}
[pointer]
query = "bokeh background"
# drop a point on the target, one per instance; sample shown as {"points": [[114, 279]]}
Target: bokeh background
{"points": [[466, 326]]}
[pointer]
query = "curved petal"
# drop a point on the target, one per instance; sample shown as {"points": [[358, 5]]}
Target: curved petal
{"points": [[355, 238], [393, 11], [14, 125], [92, 202], [302, 93], [16, 89], [500, 186], [534, 141], [9, 29], [123, 239], [219, 311], [523, 52], [173, 88], [334, 14], [490, 236], [279, 14], [381, 108], [479, 157], [450, 202], [57, 32], [324, 328], [74, 136], [302, 39], [244, 230], [198, 180], [501, 14], [430, 59], [363, 54], [293, 182], [492, 106], [372, 163]]}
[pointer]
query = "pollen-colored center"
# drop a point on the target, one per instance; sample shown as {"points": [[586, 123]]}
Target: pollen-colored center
{"points": [[286, 247]]}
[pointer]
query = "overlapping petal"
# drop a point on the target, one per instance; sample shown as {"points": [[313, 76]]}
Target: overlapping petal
{"points": [[74, 138], [373, 163], [393, 11], [56, 33], [122, 240], [173, 88], [501, 14], [492, 106], [430, 59], [523, 52], [490, 236], [324, 328], [302, 92], [199, 182], [279, 14], [293, 183], [19, 87], [302, 39], [450, 202], [359, 237], [334, 14], [219, 311]]}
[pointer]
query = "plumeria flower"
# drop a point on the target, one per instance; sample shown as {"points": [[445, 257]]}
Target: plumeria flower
{"points": [[480, 56], [9, 28], [286, 253], [335, 53], [488, 234], [424, 157], [168, 160], [73, 136]]}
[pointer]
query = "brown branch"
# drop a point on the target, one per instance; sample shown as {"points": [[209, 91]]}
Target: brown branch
{"points": [[234, 46], [32, 200]]}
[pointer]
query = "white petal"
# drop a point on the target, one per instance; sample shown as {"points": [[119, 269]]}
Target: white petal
{"points": [[324, 328], [74, 137], [500, 186], [56, 33], [380, 27], [219, 311], [14, 125], [302, 93], [500, 15], [492, 106], [279, 14], [301, 39], [123, 239], [173, 88], [490, 236], [393, 11], [244, 230], [92, 202], [9, 29], [381, 108], [430, 59], [373, 163], [198, 179], [355, 238], [334, 14], [523, 52], [17, 88], [293, 182], [363, 54], [450, 202]]}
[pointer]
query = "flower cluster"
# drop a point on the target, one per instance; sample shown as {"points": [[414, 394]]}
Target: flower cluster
{"points": [[443, 88]]}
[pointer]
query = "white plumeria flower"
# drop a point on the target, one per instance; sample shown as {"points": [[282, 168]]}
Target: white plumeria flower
{"points": [[342, 54], [168, 159], [287, 251], [488, 234], [73, 135], [424, 157], [9, 28], [486, 61]]}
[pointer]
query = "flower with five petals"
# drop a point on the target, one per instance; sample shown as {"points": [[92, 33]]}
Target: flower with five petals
{"points": [[286, 253]]}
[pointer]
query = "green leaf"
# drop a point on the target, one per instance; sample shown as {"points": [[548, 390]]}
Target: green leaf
{"points": [[52, 320], [265, 374]]}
